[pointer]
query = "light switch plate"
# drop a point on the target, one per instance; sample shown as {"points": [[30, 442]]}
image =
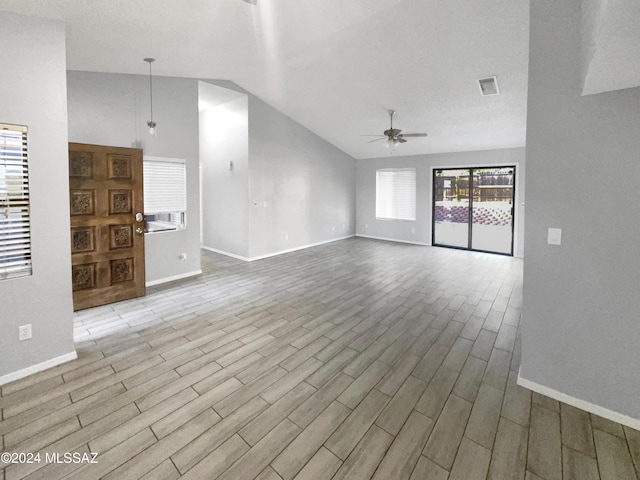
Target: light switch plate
{"points": [[554, 236]]}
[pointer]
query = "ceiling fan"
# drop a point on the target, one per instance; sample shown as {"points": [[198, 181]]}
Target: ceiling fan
{"points": [[394, 135]]}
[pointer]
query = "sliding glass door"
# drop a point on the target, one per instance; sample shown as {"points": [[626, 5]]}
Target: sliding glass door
{"points": [[492, 210], [473, 208], [451, 208]]}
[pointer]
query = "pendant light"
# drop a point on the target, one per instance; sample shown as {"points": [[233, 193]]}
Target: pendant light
{"points": [[151, 124]]}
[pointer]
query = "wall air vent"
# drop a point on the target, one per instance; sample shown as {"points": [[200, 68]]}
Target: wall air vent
{"points": [[488, 86]]}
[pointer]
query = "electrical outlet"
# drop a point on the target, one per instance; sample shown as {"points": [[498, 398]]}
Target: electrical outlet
{"points": [[24, 332]]}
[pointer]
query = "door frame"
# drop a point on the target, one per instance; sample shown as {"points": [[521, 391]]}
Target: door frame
{"points": [[515, 251]]}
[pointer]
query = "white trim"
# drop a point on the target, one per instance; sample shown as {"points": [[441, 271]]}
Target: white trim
{"points": [[173, 278], [25, 372], [274, 254], [281, 252], [393, 240], [581, 404], [222, 252]]}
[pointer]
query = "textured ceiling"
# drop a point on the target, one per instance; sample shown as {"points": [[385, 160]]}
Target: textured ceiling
{"points": [[611, 45], [335, 66]]}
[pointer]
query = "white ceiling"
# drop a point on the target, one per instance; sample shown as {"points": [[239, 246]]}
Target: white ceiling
{"points": [[335, 66], [611, 53]]}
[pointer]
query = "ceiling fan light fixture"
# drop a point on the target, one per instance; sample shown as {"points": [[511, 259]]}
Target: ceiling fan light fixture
{"points": [[394, 136]]}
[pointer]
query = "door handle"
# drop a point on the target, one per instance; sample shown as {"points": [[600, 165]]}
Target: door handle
{"points": [[139, 231]]}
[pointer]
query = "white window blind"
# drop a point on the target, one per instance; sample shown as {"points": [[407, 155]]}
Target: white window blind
{"points": [[396, 193], [165, 186], [165, 193], [15, 235]]}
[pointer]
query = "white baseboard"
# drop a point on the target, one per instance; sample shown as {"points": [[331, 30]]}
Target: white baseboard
{"points": [[289, 250], [226, 254], [393, 240], [275, 254], [581, 404], [173, 278], [25, 372]]}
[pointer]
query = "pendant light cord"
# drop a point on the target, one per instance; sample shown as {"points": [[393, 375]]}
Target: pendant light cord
{"points": [[151, 123], [151, 89]]}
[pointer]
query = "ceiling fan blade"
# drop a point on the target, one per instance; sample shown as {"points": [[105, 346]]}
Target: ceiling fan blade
{"points": [[394, 136]]}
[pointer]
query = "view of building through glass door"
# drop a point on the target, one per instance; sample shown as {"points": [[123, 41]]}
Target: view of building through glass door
{"points": [[473, 208]]}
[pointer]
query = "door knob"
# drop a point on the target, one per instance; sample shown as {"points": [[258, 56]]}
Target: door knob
{"points": [[139, 231]]}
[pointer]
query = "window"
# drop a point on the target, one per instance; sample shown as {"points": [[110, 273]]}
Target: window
{"points": [[396, 193], [165, 193], [15, 236]]}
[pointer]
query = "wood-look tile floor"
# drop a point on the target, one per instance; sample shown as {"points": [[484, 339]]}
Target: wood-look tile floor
{"points": [[353, 360]]}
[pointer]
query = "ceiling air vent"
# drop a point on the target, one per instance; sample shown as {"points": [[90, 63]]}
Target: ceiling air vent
{"points": [[488, 86]]}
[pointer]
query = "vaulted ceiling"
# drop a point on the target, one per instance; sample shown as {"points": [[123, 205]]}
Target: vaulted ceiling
{"points": [[610, 45], [335, 66]]}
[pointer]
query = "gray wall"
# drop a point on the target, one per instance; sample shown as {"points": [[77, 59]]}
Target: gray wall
{"points": [[112, 109], [307, 184], [33, 93], [289, 189], [224, 138], [419, 231], [581, 299]]}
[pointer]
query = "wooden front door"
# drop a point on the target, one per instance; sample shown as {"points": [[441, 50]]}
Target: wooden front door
{"points": [[107, 225]]}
